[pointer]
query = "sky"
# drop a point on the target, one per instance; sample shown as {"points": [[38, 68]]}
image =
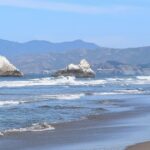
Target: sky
{"points": [[109, 23]]}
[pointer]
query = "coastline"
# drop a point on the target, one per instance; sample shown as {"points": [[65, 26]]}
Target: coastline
{"points": [[95, 132], [140, 146]]}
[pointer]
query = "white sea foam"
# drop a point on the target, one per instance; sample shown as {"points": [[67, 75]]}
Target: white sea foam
{"points": [[135, 91], [139, 80], [50, 82], [11, 102], [37, 127], [104, 93], [63, 96], [1, 134], [72, 81], [67, 96], [143, 77], [39, 98], [120, 92]]}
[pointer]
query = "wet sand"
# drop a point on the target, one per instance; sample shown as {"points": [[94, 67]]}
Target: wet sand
{"points": [[101, 132], [141, 146]]}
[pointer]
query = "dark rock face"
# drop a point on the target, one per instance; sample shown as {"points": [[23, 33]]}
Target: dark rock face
{"points": [[76, 73], [14, 73], [82, 70]]}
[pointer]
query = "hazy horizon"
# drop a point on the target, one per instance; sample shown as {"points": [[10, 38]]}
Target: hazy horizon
{"points": [[59, 42]]}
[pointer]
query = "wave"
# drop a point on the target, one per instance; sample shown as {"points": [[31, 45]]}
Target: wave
{"points": [[63, 96], [40, 98], [135, 91], [70, 96], [62, 81], [63, 107], [36, 127], [108, 102], [11, 102], [138, 80], [119, 92], [143, 77], [72, 81]]}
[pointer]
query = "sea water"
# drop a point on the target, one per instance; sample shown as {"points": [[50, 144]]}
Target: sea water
{"points": [[35, 102]]}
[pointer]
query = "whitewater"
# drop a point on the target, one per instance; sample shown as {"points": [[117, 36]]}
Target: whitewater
{"points": [[35, 103]]}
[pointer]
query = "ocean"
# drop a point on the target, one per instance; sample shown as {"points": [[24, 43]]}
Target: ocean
{"points": [[36, 102]]}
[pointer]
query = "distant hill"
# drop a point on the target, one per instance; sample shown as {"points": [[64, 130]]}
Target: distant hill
{"points": [[39, 46], [42, 56]]}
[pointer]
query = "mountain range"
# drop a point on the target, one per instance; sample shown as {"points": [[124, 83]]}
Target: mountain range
{"points": [[39, 56]]}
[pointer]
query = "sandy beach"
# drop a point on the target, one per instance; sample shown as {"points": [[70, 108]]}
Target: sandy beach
{"points": [[140, 146], [93, 133]]}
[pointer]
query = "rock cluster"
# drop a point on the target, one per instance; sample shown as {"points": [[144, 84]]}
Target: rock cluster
{"points": [[82, 70]]}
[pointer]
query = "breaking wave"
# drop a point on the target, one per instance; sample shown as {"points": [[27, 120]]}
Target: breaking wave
{"points": [[72, 81], [11, 102], [68, 96], [144, 78], [36, 127], [42, 98], [63, 96], [121, 92], [50, 82]]}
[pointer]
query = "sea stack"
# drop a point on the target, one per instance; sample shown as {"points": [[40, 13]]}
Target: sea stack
{"points": [[8, 69], [82, 70]]}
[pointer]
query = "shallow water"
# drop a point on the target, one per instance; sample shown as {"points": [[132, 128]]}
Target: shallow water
{"points": [[40, 100]]}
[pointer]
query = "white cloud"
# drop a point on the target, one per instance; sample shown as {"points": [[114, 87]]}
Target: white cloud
{"points": [[66, 7]]}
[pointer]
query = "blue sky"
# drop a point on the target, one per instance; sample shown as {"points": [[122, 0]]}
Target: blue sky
{"points": [[110, 23]]}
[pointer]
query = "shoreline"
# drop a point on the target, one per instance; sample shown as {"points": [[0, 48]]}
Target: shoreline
{"points": [[95, 132], [140, 146]]}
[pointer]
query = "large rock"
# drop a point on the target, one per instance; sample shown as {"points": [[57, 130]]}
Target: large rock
{"points": [[82, 70], [8, 69]]}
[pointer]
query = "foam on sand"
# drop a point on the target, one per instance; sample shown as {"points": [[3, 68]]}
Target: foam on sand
{"points": [[36, 127]]}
